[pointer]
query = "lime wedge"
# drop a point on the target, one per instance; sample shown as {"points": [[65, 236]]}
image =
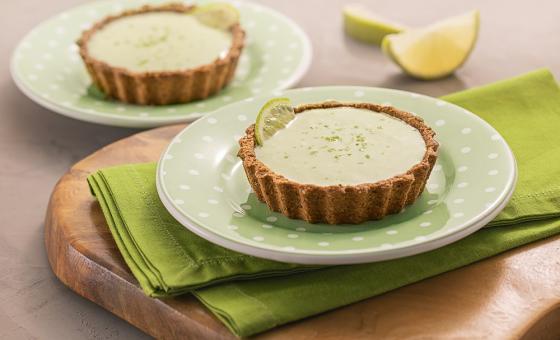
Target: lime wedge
{"points": [[435, 51], [273, 116], [218, 15], [361, 24]]}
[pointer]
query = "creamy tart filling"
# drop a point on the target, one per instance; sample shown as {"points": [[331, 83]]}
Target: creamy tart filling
{"points": [[342, 145], [158, 41]]}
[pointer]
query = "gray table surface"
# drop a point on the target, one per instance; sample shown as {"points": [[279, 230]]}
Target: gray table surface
{"points": [[38, 146]]}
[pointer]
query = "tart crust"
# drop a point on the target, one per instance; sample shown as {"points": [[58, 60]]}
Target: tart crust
{"points": [[338, 204], [161, 87]]}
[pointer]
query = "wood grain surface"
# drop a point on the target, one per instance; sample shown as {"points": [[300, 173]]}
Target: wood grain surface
{"points": [[511, 296]]}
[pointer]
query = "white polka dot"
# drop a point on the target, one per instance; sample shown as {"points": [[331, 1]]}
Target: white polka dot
{"points": [[250, 99], [465, 149], [420, 238], [246, 206], [459, 214], [168, 156], [258, 238], [323, 244], [359, 93], [493, 155], [289, 248], [293, 235], [490, 189], [218, 189], [54, 43], [54, 86], [427, 212], [391, 232], [293, 45], [462, 185], [437, 167], [177, 201], [171, 110], [301, 229], [207, 139], [226, 177], [203, 214], [440, 103], [198, 156], [458, 200], [232, 227], [184, 187], [212, 120], [466, 131], [227, 98], [237, 214], [493, 172], [270, 43], [256, 90], [462, 168], [242, 118], [288, 58], [425, 224], [266, 226], [121, 108], [32, 77], [212, 201], [430, 202], [272, 219], [440, 122], [386, 246], [194, 172], [277, 93], [273, 28], [200, 105], [39, 67], [495, 137], [357, 238]]}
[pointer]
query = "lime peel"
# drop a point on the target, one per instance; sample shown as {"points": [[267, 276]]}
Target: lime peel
{"points": [[275, 115], [217, 15], [363, 25], [435, 51]]}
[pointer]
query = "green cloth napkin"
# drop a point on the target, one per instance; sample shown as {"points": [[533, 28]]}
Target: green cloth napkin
{"points": [[167, 259]]}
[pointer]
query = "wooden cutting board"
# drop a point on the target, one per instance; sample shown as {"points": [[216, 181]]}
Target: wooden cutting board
{"points": [[514, 295]]}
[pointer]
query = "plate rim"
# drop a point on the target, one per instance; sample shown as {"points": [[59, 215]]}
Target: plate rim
{"points": [[145, 122], [357, 256], [332, 259]]}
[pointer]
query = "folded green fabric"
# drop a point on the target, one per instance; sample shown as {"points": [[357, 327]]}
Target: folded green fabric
{"points": [[167, 259]]}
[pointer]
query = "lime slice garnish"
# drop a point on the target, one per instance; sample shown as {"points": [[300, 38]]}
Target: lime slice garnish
{"points": [[435, 51], [218, 15], [361, 24], [273, 116]]}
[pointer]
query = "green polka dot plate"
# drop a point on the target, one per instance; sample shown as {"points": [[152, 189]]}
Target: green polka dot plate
{"points": [[46, 66], [203, 185]]}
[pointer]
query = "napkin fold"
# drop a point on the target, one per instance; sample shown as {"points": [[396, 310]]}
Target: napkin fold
{"points": [[251, 295]]}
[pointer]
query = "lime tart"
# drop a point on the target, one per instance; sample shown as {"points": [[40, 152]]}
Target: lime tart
{"points": [[164, 54], [336, 162]]}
